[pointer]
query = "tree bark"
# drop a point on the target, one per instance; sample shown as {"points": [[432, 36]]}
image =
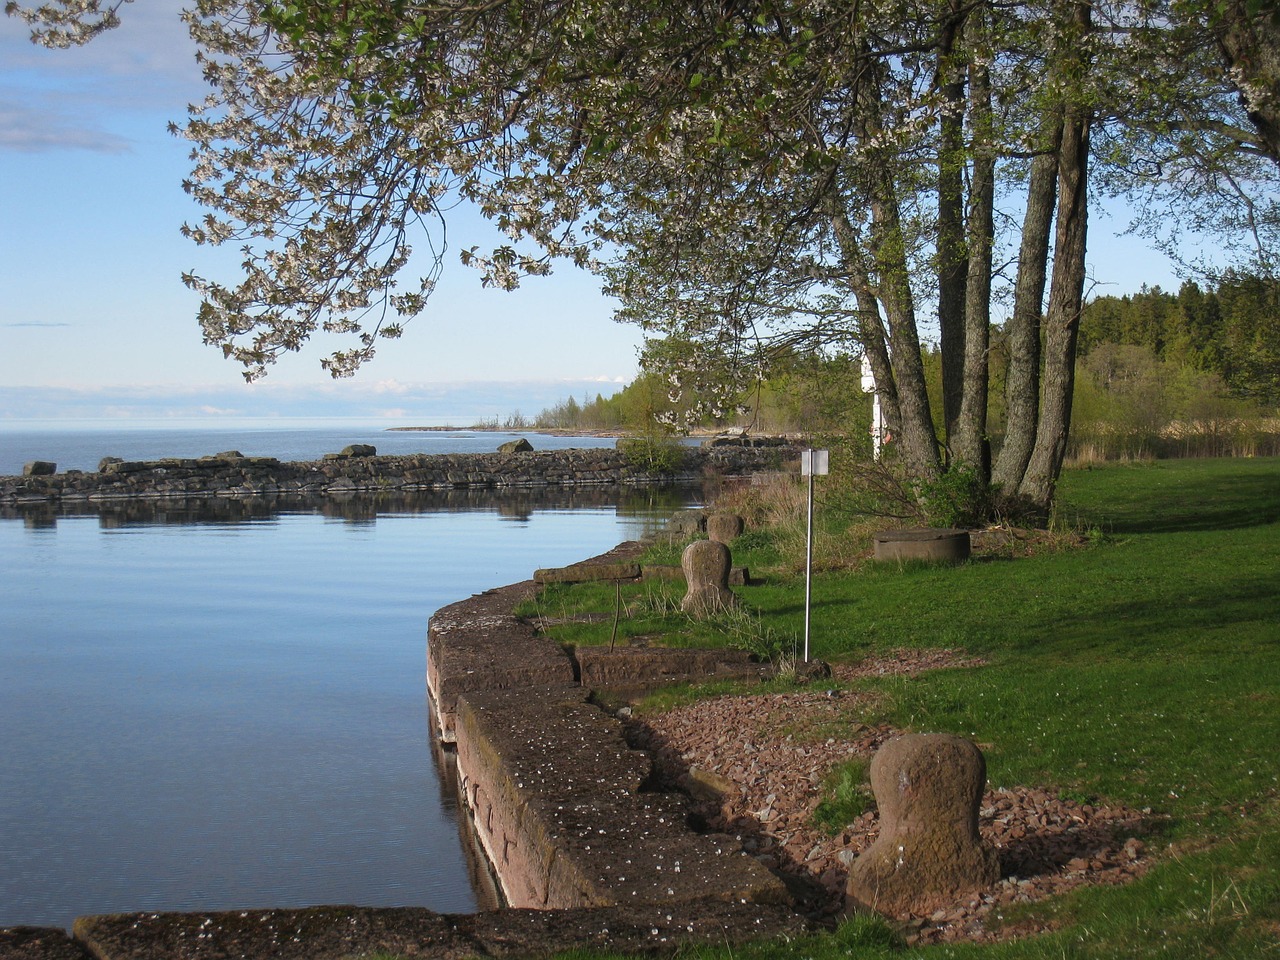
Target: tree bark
{"points": [[969, 444], [952, 260], [1062, 321], [916, 439], [871, 331], [1022, 384]]}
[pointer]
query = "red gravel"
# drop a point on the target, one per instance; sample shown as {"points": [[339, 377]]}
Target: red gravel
{"points": [[771, 754]]}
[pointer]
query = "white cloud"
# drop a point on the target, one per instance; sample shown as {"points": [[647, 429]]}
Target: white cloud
{"points": [[459, 403], [74, 99], [33, 130]]}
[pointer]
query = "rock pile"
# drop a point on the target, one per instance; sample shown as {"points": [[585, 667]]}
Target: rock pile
{"points": [[230, 475]]}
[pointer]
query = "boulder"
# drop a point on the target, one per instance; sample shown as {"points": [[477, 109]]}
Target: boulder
{"points": [[360, 450], [107, 462], [928, 788], [39, 468], [706, 565], [516, 446]]}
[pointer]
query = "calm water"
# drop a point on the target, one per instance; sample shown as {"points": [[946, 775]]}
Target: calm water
{"points": [[79, 445], [226, 709]]}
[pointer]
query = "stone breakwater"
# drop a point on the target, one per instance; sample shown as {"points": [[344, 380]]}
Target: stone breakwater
{"points": [[563, 807], [225, 475]]}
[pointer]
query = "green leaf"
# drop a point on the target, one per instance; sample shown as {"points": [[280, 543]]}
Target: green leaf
{"points": [[696, 81]]}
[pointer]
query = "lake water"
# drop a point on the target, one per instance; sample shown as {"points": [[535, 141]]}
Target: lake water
{"points": [[80, 444], [226, 708]]}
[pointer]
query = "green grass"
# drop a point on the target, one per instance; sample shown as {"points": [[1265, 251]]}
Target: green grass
{"points": [[1143, 668], [845, 796]]}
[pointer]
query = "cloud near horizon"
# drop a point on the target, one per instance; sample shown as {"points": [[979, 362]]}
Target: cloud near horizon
{"points": [[424, 403]]}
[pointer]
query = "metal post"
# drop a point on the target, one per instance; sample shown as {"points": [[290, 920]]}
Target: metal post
{"points": [[812, 463], [808, 567]]}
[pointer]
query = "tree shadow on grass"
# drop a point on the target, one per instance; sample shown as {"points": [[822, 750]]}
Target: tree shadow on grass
{"points": [[1143, 626], [1187, 502]]}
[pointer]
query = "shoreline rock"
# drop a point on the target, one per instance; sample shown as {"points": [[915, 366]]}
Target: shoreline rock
{"points": [[234, 476]]}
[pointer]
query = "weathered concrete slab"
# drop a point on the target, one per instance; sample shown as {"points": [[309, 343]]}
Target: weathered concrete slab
{"points": [[477, 644], [39, 943], [315, 933], [931, 544], [341, 933], [588, 573], [636, 928], [558, 804], [641, 667]]}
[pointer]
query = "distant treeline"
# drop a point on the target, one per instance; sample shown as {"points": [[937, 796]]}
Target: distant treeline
{"points": [[1232, 332], [1195, 373]]}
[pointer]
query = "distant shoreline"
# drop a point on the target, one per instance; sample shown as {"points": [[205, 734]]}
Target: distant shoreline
{"points": [[486, 428]]}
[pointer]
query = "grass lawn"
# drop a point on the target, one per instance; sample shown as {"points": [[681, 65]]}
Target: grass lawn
{"points": [[1143, 667]]}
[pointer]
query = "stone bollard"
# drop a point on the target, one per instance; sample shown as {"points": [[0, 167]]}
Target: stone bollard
{"points": [[39, 468], [928, 788], [724, 527], [706, 566], [685, 523]]}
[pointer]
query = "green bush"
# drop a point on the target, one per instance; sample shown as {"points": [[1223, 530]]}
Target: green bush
{"points": [[653, 452]]}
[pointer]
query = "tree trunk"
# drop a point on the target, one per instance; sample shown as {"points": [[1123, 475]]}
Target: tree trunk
{"points": [[1022, 384], [871, 332], [915, 439], [969, 443], [952, 260], [1062, 322]]}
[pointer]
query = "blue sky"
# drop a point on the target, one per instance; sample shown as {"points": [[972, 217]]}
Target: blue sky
{"points": [[94, 319]]}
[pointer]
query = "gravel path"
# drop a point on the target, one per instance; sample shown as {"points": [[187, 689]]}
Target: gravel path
{"points": [[760, 762]]}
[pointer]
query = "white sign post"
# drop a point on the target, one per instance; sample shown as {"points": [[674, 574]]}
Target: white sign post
{"points": [[877, 418], [813, 463]]}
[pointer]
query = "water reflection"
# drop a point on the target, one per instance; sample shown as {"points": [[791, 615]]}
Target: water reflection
{"points": [[484, 884], [518, 505]]}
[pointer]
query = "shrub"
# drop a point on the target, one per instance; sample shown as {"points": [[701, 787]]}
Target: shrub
{"points": [[653, 452]]}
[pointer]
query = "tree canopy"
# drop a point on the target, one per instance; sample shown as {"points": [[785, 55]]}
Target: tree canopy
{"points": [[748, 176]]}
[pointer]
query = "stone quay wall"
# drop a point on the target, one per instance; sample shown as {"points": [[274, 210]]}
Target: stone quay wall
{"points": [[560, 804], [226, 475]]}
